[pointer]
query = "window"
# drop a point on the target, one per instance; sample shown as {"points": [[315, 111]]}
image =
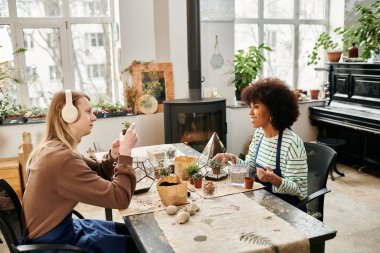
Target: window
{"points": [[28, 41], [69, 46], [290, 28], [55, 73], [95, 39], [95, 71]]}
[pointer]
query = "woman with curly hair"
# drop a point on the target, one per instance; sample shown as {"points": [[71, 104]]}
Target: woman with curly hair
{"points": [[276, 154]]}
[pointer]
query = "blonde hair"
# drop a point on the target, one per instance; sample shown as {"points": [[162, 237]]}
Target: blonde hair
{"points": [[57, 129]]}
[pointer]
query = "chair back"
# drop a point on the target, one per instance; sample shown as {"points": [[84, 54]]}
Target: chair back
{"points": [[10, 215], [320, 159]]}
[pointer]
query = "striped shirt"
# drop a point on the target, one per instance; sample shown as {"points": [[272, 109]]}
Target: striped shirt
{"points": [[293, 161]]}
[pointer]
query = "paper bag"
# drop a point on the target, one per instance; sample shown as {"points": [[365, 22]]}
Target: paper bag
{"points": [[180, 165], [172, 191]]}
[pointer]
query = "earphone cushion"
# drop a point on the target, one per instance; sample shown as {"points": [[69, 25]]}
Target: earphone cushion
{"points": [[69, 113]]}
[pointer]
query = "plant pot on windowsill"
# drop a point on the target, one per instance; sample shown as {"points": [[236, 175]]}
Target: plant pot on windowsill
{"points": [[314, 94], [334, 56]]}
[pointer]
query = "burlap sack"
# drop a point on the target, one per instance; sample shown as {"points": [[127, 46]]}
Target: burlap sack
{"points": [[180, 165], [172, 191]]}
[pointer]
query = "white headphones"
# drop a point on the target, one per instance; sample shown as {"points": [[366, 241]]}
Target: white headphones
{"points": [[69, 111]]}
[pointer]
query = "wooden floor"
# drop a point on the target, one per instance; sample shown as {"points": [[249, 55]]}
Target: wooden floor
{"points": [[352, 208]]}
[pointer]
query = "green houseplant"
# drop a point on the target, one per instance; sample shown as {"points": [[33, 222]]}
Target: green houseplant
{"points": [[191, 170], [368, 30], [325, 42], [248, 64]]}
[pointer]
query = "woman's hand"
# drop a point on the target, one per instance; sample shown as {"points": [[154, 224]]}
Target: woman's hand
{"points": [[225, 157], [115, 149], [265, 175], [127, 141]]}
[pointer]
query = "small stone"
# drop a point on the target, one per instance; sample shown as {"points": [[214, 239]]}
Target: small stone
{"points": [[171, 210]]}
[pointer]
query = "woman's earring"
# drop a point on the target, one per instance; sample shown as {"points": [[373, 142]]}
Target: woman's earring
{"points": [[270, 118]]}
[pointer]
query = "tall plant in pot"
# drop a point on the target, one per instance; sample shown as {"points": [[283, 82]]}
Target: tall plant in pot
{"points": [[248, 64]]}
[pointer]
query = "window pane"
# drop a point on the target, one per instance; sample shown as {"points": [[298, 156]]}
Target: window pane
{"points": [[4, 8], [278, 8], [308, 77], [89, 8], [312, 9], [40, 8], [245, 35], [43, 58], [92, 60], [6, 58], [279, 61], [246, 8], [217, 10]]}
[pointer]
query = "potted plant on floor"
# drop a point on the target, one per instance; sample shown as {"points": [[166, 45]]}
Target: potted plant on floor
{"points": [[248, 64]]}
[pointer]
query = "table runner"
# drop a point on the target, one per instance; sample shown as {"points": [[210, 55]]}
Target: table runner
{"points": [[231, 223]]}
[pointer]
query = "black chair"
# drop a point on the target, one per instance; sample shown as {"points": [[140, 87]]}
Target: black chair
{"points": [[11, 224], [335, 144], [320, 160]]}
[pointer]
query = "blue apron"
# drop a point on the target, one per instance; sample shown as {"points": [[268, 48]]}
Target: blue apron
{"points": [[293, 200], [90, 235]]}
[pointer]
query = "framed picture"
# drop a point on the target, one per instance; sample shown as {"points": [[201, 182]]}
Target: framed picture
{"points": [[155, 79]]}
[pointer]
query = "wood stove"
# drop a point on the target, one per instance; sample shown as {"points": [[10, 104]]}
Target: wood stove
{"points": [[192, 121]]}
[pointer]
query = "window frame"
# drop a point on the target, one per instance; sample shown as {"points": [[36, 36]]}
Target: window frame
{"points": [[260, 21], [63, 23]]}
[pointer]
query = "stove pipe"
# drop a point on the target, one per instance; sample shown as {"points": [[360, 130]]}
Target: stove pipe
{"points": [[194, 49]]}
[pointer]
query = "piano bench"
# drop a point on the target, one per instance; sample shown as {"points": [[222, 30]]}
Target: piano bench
{"points": [[333, 143]]}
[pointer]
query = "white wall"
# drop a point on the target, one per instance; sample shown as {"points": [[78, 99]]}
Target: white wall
{"points": [[150, 131], [147, 34]]}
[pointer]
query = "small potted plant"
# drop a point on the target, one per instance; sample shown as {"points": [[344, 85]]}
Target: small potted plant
{"points": [[15, 114], [126, 124], [197, 178], [120, 110], [325, 42], [248, 64], [191, 170], [216, 166], [36, 114]]}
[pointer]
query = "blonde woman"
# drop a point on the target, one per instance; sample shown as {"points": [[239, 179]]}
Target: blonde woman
{"points": [[59, 177]]}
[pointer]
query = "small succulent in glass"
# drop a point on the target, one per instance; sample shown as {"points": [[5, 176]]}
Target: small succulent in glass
{"points": [[216, 165], [126, 125]]}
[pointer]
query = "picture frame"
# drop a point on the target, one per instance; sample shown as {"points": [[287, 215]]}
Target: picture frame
{"points": [[155, 79]]}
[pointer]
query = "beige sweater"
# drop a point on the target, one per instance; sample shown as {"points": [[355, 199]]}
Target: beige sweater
{"points": [[60, 179]]}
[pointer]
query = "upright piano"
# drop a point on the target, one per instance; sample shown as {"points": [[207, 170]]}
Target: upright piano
{"points": [[352, 113]]}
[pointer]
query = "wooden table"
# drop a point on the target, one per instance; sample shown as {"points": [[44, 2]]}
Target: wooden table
{"points": [[150, 238]]}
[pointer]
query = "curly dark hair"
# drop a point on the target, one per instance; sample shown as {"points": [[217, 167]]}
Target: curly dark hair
{"points": [[281, 102]]}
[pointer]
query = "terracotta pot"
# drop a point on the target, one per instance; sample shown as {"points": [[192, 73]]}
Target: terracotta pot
{"points": [[333, 56], [197, 182], [191, 180], [248, 182], [314, 94]]}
